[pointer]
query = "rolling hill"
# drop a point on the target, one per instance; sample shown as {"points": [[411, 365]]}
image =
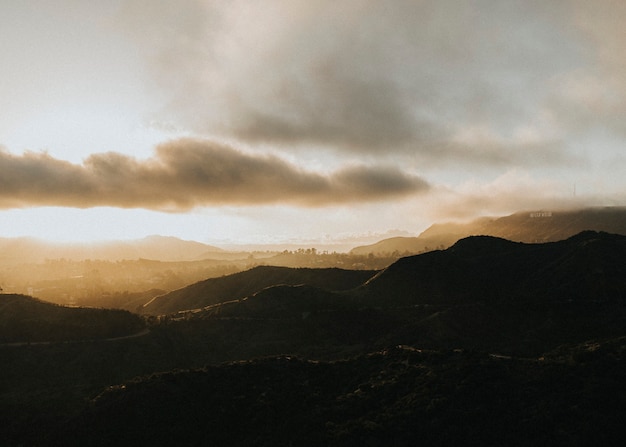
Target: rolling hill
{"points": [[488, 342], [588, 266], [242, 284], [490, 293], [482, 293]]}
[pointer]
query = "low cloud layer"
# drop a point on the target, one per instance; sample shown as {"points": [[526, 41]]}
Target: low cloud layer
{"points": [[187, 173]]}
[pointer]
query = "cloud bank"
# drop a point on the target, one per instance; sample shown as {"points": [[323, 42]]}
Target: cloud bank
{"points": [[361, 76], [188, 173]]}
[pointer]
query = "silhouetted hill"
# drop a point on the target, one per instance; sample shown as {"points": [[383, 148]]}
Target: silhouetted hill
{"points": [[242, 284], [27, 319], [489, 293], [531, 226], [512, 344], [589, 266], [484, 292], [401, 396]]}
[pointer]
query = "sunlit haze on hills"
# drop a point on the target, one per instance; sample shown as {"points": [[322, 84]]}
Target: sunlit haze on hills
{"points": [[297, 121]]}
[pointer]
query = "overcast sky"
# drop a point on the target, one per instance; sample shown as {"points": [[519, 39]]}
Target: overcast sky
{"points": [[292, 120]]}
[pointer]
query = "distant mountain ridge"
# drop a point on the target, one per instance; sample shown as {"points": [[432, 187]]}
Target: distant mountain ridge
{"points": [[162, 248], [528, 226]]}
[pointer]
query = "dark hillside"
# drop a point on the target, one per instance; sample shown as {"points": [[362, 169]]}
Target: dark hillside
{"points": [[471, 270], [577, 396], [512, 344], [489, 293], [281, 301], [240, 285], [27, 319], [298, 320], [489, 269], [483, 293]]}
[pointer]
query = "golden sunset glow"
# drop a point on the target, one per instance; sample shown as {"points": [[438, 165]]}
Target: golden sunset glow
{"points": [[291, 121]]}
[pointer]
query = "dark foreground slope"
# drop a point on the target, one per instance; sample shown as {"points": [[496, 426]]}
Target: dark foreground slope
{"points": [[400, 397], [24, 319], [239, 285]]}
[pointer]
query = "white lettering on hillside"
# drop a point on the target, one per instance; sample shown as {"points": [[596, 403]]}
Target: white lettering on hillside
{"points": [[541, 214]]}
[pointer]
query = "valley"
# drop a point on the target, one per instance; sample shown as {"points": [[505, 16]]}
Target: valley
{"points": [[490, 339]]}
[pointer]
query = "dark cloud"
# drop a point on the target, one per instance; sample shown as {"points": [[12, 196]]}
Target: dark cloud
{"points": [[363, 76], [40, 179], [188, 173]]}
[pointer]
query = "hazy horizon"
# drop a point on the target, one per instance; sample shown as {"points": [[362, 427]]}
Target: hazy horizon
{"points": [[339, 243], [587, 218], [291, 122]]}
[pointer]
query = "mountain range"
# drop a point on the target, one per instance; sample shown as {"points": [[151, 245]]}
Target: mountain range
{"points": [[29, 250], [531, 226], [528, 226], [483, 292], [487, 342]]}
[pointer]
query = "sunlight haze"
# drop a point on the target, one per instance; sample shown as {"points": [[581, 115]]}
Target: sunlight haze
{"points": [[291, 121]]}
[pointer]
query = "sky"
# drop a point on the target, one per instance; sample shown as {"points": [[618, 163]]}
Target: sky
{"points": [[304, 122]]}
